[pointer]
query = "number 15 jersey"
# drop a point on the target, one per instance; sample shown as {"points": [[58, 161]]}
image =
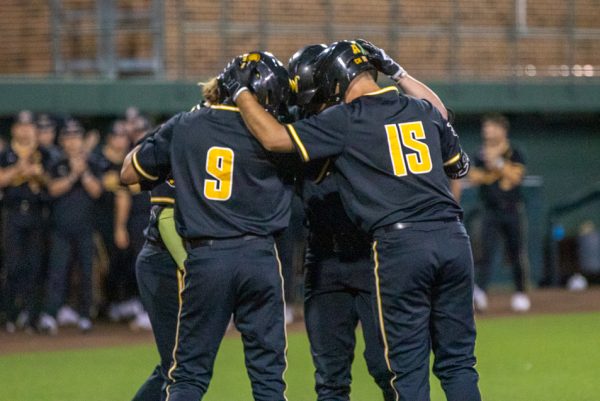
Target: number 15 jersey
{"points": [[391, 154], [227, 184]]}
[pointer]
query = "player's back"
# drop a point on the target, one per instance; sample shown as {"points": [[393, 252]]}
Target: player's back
{"points": [[392, 168], [227, 184]]}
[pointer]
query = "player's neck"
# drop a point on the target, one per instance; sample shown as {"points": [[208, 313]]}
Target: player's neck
{"points": [[360, 86]]}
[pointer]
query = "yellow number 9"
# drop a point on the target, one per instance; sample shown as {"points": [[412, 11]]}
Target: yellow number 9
{"points": [[219, 164]]}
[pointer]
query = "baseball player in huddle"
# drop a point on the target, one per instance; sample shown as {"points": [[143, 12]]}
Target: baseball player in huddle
{"points": [[393, 157], [231, 199]]}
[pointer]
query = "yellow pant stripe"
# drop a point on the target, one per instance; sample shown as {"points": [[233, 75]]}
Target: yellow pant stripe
{"points": [[284, 326], [381, 323], [181, 285]]}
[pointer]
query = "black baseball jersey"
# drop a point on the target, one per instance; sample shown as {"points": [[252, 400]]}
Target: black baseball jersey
{"points": [[22, 189], [331, 231], [164, 193], [75, 208], [493, 195], [391, 153], [227, 184]]}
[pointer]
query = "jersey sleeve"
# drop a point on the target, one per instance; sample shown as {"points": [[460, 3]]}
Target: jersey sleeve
{"points": [[153, 159], [451, 150], [322, 135]]}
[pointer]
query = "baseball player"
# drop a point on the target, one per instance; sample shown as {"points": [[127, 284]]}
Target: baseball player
{"points": [[338, 271], [231, 199], [158, 277], [394, 156]]}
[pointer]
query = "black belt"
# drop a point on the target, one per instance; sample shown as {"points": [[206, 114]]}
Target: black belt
{"points": [[198, 242], [401, 226], [157, 243]]}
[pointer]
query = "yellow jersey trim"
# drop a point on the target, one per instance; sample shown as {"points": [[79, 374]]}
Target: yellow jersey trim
{"points": [[225, 107], [298, 142], [323, 172], [140, 170], [383, 90], [284, 325], [386, 348], [162, 199], [453, 160]]}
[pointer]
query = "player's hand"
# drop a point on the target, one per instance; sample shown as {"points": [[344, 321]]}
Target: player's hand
{"points": [[121, 238], [236, 77], [381, 61]]}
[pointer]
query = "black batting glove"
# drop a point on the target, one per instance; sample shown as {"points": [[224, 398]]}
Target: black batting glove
{"points": [[381, 61], [236, 77]]}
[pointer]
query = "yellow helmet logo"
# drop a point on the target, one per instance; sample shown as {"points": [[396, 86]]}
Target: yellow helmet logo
{"points": [[294, 84], [249, 57]]}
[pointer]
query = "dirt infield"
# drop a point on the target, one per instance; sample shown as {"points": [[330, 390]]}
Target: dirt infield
{"points": [[105, 335]]}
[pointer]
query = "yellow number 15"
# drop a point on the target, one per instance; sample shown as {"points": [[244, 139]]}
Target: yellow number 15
{"points": [[409, 135], [219, 164]]}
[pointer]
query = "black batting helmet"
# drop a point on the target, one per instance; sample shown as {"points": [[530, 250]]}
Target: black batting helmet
{"points": [[338, 65], [301, 68], [269, 80]]}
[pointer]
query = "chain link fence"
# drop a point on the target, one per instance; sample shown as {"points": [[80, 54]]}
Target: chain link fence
{"points": [[447, 41]]}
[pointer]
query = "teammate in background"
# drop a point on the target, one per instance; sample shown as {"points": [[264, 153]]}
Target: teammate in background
{"points": [[231, 200], [394, 154], [46, 133], [499, 171], [338, 271], [132, 208], [23, 179], [111, 156], [75, 186]]}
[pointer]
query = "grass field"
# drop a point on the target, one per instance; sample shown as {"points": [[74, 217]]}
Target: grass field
{"points": [[528, 358]]}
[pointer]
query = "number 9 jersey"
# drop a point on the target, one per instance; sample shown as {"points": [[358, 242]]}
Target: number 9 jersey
{"points": [[392, 154], [228, 185]]}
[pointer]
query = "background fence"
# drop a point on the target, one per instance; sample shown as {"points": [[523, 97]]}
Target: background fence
{"points": [[450, 40]]}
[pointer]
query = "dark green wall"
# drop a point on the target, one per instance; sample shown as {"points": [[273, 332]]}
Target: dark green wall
{"points": [[100, 97]]}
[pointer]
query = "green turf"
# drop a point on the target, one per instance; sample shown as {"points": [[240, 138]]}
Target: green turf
{"points": [[549, 358]]}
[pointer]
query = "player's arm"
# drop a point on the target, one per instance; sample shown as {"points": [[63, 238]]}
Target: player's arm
{"points": [[272, 135], [409, 85], [151, 159], [122, 211]]}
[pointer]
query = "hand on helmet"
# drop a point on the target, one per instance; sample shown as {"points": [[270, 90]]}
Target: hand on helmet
{"points": [[236, 77], [381, 61]]}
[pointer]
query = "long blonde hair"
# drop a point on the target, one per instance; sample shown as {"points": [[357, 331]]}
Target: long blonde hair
{"points": [[210, 91]]}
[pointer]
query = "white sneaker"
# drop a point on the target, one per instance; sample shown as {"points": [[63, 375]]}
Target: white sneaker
{"points": [[520, 302], [141, 322], [130, 309], [84, 324], [66, 316], [480, 299], [289, 314], [22, 320], [10, 328], [47, 324]]}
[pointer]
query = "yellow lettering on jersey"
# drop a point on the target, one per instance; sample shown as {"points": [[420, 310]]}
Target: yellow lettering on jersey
{"points": [[219, 164], [409, 135], [395, 150], [412, 133]]}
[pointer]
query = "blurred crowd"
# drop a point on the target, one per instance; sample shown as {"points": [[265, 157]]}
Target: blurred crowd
{"points": [[71, 231]]}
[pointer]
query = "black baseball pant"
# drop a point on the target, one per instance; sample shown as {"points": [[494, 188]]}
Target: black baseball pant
{"points": [[157, 278], [337, 297], [424, 294], [239, 276]]}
